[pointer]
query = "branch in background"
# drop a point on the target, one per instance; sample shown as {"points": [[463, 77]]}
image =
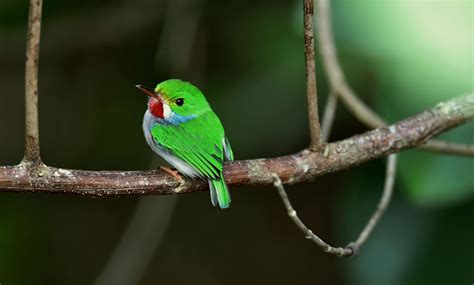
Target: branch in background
{"points": [[139, 242], [298, 167], [352, 248], [112, 24], [328, 116], [342, 89], [311, 91], [32, 149], [449, 148], [181, 18]]}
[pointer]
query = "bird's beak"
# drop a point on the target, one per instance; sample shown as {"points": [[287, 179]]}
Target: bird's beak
{"points": [[148, 91]]}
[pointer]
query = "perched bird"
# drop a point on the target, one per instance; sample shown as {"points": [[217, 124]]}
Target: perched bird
{"points": [[180, 126]]}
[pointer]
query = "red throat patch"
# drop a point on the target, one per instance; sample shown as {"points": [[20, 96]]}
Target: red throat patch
{"points": [[156, 108]]}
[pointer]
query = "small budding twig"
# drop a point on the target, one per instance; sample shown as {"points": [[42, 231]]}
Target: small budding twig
{"points": [[350, 99], [352, 248], [310, 67], [32, 149]]}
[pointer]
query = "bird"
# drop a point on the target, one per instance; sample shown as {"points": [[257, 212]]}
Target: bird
{"points": [[180, 126]]}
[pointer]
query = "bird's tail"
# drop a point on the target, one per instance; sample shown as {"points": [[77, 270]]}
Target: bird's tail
{"points": [[219, 193]]}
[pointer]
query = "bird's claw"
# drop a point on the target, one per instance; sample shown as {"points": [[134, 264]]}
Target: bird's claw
{"points": [[174, 173]]}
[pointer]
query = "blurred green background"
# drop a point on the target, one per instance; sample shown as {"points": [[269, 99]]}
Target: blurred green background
{"points": [[247, 56]]}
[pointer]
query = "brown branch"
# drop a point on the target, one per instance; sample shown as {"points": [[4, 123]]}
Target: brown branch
{"points": [[350, 99], [32, 150], [298, 167], [352, 248], [311, 90]]}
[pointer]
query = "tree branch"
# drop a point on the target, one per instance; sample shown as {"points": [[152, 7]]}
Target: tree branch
{"points": [[298, 167], [311, 90], [449, 148], [342, 89], [352, 248], [32, 150]]}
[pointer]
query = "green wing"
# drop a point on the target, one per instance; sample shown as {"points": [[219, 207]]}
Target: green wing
{"points": [[200, 142]]}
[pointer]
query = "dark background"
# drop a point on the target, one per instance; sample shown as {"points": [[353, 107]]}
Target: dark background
{"points": [[247, 56]]}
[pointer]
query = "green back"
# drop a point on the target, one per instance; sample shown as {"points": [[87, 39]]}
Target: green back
{"points": [[198, 142]]}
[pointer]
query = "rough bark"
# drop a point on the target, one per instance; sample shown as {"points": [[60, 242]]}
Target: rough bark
{"points": [[302, 166]]}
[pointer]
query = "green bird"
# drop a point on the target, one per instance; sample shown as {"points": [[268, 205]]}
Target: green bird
{"points": [[180, 126]]}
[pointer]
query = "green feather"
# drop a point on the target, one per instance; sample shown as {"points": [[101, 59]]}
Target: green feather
{"points": [[219, 193], [198, 142]]}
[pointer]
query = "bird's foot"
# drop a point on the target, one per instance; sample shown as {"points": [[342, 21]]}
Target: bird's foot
{"points": [[174, 173]]}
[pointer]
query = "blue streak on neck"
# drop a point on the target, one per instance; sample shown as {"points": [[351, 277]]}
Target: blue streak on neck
{"points": [[149, 120], [177, 119]]}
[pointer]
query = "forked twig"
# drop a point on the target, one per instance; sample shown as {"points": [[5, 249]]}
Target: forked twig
{"points": [[352, 248]]}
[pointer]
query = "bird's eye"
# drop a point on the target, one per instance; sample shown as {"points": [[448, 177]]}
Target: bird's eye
{"points": [[179, 101]]}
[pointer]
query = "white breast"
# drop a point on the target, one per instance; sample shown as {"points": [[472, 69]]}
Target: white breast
{"points": [[148, 122]]}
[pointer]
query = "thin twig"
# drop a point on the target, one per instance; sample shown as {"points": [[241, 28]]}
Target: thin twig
{"points": [[294, 168], [352, 248], [311, 90], [339, 251], [32, 150], [384, 200], [449, 147], [350, 99], [328, 116]]}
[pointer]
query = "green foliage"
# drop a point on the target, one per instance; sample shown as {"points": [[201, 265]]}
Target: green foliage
{"points": [[420, 55]]}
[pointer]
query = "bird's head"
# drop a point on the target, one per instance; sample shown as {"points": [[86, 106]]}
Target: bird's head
{"points": [[175, 100]]}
